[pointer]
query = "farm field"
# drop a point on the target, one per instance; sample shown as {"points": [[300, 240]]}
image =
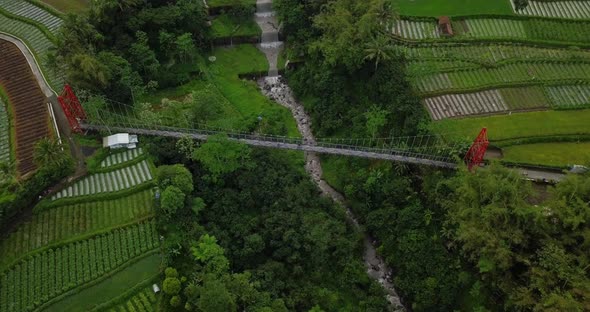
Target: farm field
{"points": [[69, 6], [549, 154], [93, 245], [146, 268], [32, 12], [28, 103], [4, 133], [575, 9], [452, 7], [517, 125], [142, 301]]}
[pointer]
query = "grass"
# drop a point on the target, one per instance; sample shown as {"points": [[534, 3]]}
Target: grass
{"points": [[224, 26], [110, 288], [69, 6], [453, 7], [218, 3], [242, 100], [549, 154], [519, 125]]}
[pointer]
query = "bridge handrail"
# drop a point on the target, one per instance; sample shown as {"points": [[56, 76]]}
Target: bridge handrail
{"points": [[269, 138]]}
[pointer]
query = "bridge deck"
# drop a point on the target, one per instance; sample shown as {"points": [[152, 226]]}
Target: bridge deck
{"points": [[346, 151]]}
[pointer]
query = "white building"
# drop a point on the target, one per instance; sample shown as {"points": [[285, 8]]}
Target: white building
{"points": [[120, 140]]}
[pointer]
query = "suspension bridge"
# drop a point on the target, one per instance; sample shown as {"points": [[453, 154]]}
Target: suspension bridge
{"points": [[429, 150]]}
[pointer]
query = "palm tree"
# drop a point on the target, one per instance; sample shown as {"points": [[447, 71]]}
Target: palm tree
{"points": [[379, 49], [49, 153], [7, 171]]}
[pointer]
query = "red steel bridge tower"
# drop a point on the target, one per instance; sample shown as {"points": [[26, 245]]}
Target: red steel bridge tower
{"points": [[474, 156], [72, 108]]}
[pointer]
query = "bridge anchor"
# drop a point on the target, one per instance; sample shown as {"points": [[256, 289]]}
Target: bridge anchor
{"points": [[72, 108], [476, 152]]}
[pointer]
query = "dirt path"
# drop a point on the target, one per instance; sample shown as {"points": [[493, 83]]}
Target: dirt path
{"points": [[276, 89]]}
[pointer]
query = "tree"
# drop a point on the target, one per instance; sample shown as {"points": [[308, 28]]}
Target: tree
{"points": [[376, 119], [50, 152], [520, 4], [175, 175], [171, 286], [172, 200], [185, 47], [379, 49], [220, 156], [143, 58], [175, 301], [216, 298], [186, 146], [208, 253]]}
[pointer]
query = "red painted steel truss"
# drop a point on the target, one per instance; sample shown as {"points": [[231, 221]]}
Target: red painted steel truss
{"points": [[474, 156], [72, 108]]}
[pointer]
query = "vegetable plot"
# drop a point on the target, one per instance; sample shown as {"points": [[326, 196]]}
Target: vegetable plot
{"points": [[119, 158], [44, 276], [563, 9], [107, 182], [415, 29], [572, 96], [27, 10], [4, 134], [67, 222]]}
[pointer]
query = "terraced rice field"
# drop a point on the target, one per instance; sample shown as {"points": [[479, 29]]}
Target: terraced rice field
{"points": [[30, 34], [144, 301], [572, 96], [119, 158], [486, 102], [27, 10], [31, 118], [415, 30], [563, 9], [491, 52], [71, 221], [504, 76], [107, 182], [454, 105], [46, 275], [495, 28], [4, 134]]}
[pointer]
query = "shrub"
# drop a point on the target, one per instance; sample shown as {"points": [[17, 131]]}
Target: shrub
{"points": [[171, 286], [171, 272]]}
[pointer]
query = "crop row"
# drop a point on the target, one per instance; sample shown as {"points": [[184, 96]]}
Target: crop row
{"points": [[562, 9], [4, 134], [27, 10], [119, 158], [112, 181], [414, 29], [456, 105], [144, 301], [66, 222], [44, 276], [508, 99], [569, 96], [29, 33], [491, 53], [518, 73], [496, 28]]}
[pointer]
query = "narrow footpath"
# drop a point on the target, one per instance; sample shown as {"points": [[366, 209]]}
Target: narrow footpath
{"points": [[275, 88]]}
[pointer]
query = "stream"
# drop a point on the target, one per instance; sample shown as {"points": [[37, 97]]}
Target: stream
{"points": [[275, 87]]}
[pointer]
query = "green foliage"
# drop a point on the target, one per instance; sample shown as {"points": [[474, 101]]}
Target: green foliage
{"points": [[172, 200], [210, 255], [170, 272], [221, 156], [216, 298], [175, 301], [175, 175], [171, 286]]}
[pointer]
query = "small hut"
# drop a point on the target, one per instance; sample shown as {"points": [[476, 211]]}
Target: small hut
{"points": [[444, 26], [120, 140]]}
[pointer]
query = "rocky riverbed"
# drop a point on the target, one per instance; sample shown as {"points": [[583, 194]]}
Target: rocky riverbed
{"points": [[277, 90]]}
